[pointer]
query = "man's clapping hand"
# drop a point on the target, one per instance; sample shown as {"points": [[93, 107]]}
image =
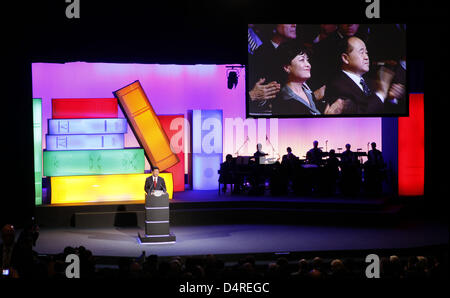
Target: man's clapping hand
{"points": [[264, 92], [396, 91]]}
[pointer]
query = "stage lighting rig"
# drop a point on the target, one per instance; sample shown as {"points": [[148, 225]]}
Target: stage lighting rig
{"points": [[233, 75]]}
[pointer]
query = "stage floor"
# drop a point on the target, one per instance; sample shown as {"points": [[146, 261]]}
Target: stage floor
{"points": [[247, 238]]}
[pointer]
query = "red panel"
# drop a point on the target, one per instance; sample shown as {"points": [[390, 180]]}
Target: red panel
{"points": [[176, 137], [411, 149], [67, 108]]}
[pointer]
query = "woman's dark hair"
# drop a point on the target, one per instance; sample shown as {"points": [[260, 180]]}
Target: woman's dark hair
{"points": [[287, 51]]}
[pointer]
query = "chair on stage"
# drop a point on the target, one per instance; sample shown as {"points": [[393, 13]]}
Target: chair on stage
{"points": [[225, 182]]}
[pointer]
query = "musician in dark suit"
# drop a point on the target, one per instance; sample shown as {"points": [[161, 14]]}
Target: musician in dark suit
{"points": [[154, 182], [289, 158], [374, 170], [314, 155], [350, 169], [349, 90]]}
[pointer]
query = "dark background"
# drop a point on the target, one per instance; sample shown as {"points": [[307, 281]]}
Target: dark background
{"points": [[189, 32]]}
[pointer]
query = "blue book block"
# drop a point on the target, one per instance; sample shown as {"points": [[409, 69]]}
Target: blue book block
{"points": [[85, 142], [86, 126]]}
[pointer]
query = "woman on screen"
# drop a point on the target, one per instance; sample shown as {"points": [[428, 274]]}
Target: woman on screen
{"points": [[295, 97]]}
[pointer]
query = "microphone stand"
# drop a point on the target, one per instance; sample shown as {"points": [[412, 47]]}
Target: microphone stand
{"points": [[273, 149], [246, 141]]}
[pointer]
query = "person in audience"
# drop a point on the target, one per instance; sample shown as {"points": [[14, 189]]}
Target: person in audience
{"points": [[351, 89], [264, 74], [303, 270], [9, 252], [316, 272], [349, 86], [295, 97], [325, 31], [325, 54], [338, 270], [396, 268]]}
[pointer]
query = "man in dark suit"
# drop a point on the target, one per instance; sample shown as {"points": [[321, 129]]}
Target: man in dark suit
{"points": [[289, 157], [374, 171], [314, 155], [264, 73], [154, 182], [325, 54], [349, 89]]}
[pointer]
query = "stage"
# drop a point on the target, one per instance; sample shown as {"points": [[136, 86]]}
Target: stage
{"points": [[246, 239], [196, 207], [205, 222]]}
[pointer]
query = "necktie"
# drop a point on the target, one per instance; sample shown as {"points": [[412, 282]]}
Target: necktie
{"points": [[154, 182], [366, 88]]}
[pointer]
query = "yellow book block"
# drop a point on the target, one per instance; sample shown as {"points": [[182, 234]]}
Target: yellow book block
{"points": [[146, 126], [102, 188]]}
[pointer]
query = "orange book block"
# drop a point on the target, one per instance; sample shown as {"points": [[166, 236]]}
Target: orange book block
{"points": [[146, 126]]}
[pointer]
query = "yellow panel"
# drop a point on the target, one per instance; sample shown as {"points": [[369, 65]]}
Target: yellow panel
{"points": [[146, 126], [102, 188]]}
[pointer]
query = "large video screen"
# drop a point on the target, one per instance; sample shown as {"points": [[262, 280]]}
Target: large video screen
{"points": [[326, 70]]}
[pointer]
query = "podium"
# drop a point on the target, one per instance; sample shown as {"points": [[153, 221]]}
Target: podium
{"points": [[157, 223]]}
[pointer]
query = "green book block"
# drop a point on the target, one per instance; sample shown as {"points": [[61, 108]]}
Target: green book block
{"points": [[37, 143], [94, 162]]}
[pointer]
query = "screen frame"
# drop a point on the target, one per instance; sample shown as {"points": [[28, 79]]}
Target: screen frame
{"points": [[248, 114]]}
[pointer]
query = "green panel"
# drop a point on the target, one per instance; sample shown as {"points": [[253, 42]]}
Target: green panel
{"points": [[37, 142], [94, 162]]}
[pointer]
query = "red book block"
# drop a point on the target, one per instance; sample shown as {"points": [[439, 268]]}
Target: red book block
{"points": [[76, 108], [411, 149], [173, 126]]}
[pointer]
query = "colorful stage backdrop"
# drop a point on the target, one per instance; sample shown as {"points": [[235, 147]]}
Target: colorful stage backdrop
{"points": [[177, 89]]}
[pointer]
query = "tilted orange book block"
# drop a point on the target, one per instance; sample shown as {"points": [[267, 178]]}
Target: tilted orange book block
{"points": [[146, 126]]}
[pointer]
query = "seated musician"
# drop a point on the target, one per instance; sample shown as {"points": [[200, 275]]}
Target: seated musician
{"points": [[258, 154], [289, 157], [331, 172], [226, 172], [314, 155]]}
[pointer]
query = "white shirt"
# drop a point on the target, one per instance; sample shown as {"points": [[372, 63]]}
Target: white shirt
{"points": [[155, 179], [357, 79], [274, 44]]}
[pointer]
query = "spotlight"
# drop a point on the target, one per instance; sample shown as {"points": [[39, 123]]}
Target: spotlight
{"points": [[233, 76], [232, 79]]}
